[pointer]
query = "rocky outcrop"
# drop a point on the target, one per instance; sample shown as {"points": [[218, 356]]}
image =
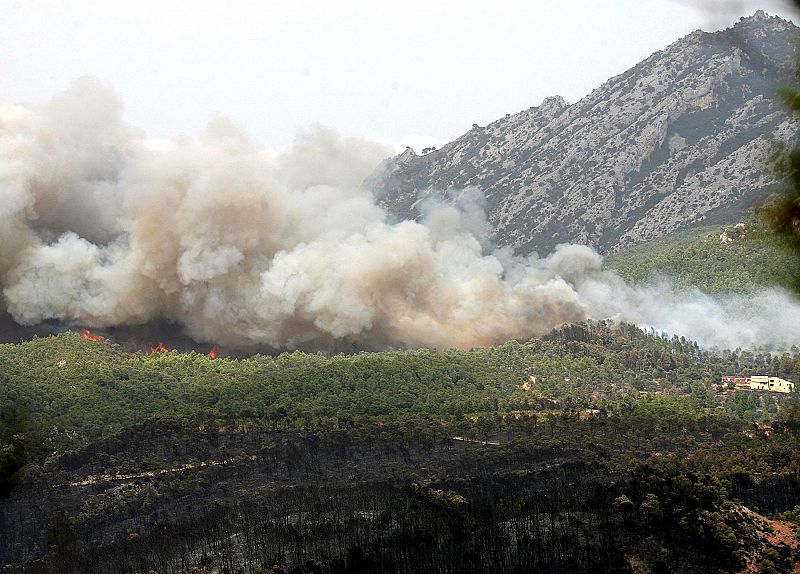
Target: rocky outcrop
{"points": [[679, 140]]}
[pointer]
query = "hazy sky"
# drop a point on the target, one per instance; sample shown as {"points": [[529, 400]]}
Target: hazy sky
{"points": [[407, 72]]}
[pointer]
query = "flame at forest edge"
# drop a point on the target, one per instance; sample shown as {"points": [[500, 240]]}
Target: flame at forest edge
{"points": [[149, 347], [87, 334]]}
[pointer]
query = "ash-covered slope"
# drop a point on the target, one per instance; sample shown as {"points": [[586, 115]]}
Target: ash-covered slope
{"points": [[681, 139]]}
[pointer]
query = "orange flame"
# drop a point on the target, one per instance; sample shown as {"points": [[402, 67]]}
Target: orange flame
{"points": [[160, 348], [87, 334], [213, 352]]}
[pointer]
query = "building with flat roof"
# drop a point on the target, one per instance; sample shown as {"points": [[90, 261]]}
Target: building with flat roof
{"points": [[760, 383]]}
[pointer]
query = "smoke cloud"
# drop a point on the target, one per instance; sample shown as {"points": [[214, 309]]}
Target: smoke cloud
{"points": [[251, 250]]}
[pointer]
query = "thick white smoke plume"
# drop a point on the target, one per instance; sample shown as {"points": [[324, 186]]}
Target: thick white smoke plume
{"points": [[250, 250]]}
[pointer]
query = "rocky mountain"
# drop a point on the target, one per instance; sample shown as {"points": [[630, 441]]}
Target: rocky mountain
{"points": [[682, 139]]}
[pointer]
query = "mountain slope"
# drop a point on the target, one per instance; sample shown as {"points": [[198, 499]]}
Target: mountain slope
{"points": [[741, 258], [679, 140]]}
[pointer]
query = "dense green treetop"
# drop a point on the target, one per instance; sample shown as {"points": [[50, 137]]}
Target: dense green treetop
{"points": [[78, 390]]}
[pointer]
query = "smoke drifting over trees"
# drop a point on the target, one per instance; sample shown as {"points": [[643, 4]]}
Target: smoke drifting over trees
{"points": [[249, 250]]}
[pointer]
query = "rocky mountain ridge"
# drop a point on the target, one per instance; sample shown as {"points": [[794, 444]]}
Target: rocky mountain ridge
{"points": [[681, 139]]}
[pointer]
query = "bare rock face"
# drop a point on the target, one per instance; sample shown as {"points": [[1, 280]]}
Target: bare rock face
{"points": [[681, 139]]}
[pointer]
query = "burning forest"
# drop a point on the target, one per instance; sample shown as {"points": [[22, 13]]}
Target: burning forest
{"points": [[217, 358], [238, 247], [149, 347]]}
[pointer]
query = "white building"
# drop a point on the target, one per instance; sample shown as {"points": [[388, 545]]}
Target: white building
{"points": [[761, 383], [774, 384]]}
